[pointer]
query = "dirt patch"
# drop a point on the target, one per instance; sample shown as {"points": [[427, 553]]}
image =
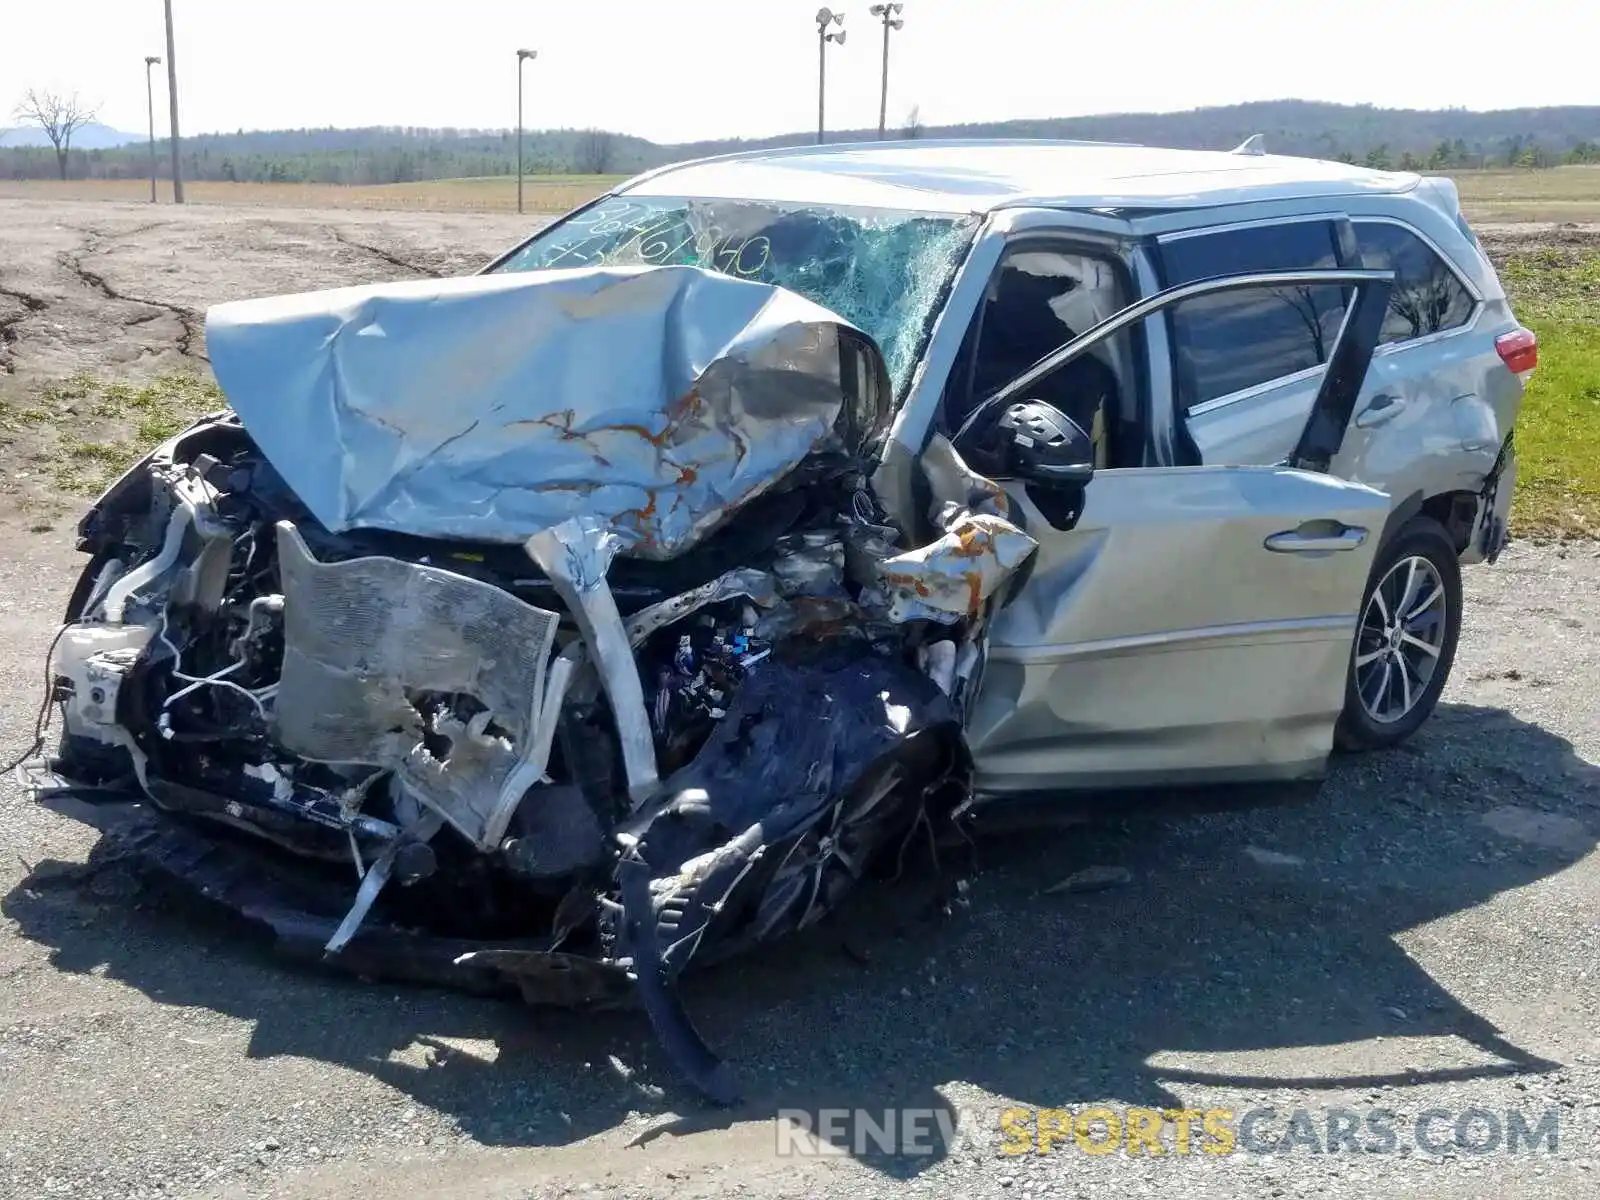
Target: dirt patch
{"points": [[102, 318], [1533, 235]]}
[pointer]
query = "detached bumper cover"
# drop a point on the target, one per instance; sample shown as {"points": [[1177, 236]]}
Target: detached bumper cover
{"points": [[244, 880]]}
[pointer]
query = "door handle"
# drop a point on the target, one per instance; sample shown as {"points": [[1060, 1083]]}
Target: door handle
{"points": [[1382, 408], [1292, 541]]}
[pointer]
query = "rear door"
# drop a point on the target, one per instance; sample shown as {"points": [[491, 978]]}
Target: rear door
{"points": [[1246, 365], [1194, 624]]}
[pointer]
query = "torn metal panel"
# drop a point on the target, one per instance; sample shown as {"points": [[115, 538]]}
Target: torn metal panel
{"points": [[756, 585], [492, 407], [576, 555], [377, 875], [364, 638], [956, 487], [810, 564], [949, 579]]}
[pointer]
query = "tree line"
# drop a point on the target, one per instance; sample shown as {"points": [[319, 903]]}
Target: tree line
{"points": [[1408, 139], [1513, 152]]}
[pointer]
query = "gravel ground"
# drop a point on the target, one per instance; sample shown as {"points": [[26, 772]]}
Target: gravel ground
{"points": [[1419, 936]]}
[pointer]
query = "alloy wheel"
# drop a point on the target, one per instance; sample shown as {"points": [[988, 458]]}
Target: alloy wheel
{"points": [[1400, 640]]}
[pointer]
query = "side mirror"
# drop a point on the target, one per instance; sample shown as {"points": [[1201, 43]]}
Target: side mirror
{"points": [[1041, 444]]}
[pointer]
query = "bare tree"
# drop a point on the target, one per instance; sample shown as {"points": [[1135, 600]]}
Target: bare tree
{"points": [[59, 116], [595, 151], [1313, 305], [913, 126]]}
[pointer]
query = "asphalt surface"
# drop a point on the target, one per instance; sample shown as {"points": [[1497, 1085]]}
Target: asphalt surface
{"points": [[1420, 936]]}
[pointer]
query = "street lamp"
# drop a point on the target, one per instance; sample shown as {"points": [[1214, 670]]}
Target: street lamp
{"points": [[888, 14], [825, 17], [150, 104], [172, 101], [522, 57]]}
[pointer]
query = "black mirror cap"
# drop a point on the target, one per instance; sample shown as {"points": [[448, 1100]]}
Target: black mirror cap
{"points": [[1041, 444]]}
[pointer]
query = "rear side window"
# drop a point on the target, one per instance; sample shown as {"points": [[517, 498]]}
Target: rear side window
{"points": [[1428, 297], [1226, 343]]}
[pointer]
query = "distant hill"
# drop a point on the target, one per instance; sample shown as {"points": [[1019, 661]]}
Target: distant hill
{"points": [[93, 136], [1438, 139], [1302, 127]]}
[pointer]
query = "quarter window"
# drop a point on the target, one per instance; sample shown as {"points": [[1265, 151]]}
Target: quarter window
{"points": [[1235, 340], [1428, 297]]}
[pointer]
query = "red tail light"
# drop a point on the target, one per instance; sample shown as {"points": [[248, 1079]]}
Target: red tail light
{"points": [[1519, 350]]}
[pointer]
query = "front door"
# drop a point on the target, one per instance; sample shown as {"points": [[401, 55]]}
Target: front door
{"points": [[1192, 624]]}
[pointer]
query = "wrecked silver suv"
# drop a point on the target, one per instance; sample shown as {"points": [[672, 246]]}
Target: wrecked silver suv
{"points": [[614, 610]]}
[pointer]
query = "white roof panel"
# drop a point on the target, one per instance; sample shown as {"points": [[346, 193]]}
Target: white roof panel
{"points": [[978, 176]]}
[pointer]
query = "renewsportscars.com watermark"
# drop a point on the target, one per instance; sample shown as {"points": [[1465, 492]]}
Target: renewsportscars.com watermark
{"points": [[1103, 1129]]}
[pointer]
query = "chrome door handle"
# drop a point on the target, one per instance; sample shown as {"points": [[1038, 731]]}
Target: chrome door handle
{"points": [[1382, 408], [1292, 541]]}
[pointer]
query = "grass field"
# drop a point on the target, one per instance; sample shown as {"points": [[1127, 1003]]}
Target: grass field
{"points": [[1555, 287], [497, 193], [1557, 194]]}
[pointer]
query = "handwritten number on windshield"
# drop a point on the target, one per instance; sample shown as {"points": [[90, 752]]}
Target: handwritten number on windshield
{"points": [[622, 234]]}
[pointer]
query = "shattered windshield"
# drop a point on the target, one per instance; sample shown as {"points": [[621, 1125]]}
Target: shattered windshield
{"points": [[880, 269]]}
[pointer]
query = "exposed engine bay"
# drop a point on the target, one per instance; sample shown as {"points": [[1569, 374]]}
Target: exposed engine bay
{"points": [[572, 762]]}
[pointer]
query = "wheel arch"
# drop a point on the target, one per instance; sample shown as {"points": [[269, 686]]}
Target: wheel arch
{"points": [[1456, 511]]}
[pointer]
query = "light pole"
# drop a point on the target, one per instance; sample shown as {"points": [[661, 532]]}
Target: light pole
{"points": [[522, 57], [150, 104], [825, 17], [888, 14], [172, 100]]}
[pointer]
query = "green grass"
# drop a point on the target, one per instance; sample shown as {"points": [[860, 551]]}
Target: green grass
{"points": [[1556, 293], [103, 428], [1558, 435]]}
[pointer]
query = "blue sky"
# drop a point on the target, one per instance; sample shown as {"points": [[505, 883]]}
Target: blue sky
{"points": [[712, 68]]}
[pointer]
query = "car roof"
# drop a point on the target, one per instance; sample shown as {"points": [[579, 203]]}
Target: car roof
{"points": [[983, 175]]}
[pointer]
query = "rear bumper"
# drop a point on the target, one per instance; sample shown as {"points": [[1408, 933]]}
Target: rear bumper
{"points": [[1491, 531]]}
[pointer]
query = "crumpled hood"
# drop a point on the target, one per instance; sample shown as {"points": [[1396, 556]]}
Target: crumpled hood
{"points": [[654, 399]]}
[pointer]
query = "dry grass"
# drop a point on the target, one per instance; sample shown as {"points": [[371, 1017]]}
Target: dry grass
{"points": [[541, 193], [1554, 194]]}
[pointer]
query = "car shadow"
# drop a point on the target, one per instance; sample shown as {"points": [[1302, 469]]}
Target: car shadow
{"points": [[1235, 931]]}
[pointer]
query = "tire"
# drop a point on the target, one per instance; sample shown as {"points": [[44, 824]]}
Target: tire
{"points": [[1381, 709]]}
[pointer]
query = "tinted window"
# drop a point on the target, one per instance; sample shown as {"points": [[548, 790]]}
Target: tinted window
{"points": [[1293, 246], [1427, 295], [1228, 342]]}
